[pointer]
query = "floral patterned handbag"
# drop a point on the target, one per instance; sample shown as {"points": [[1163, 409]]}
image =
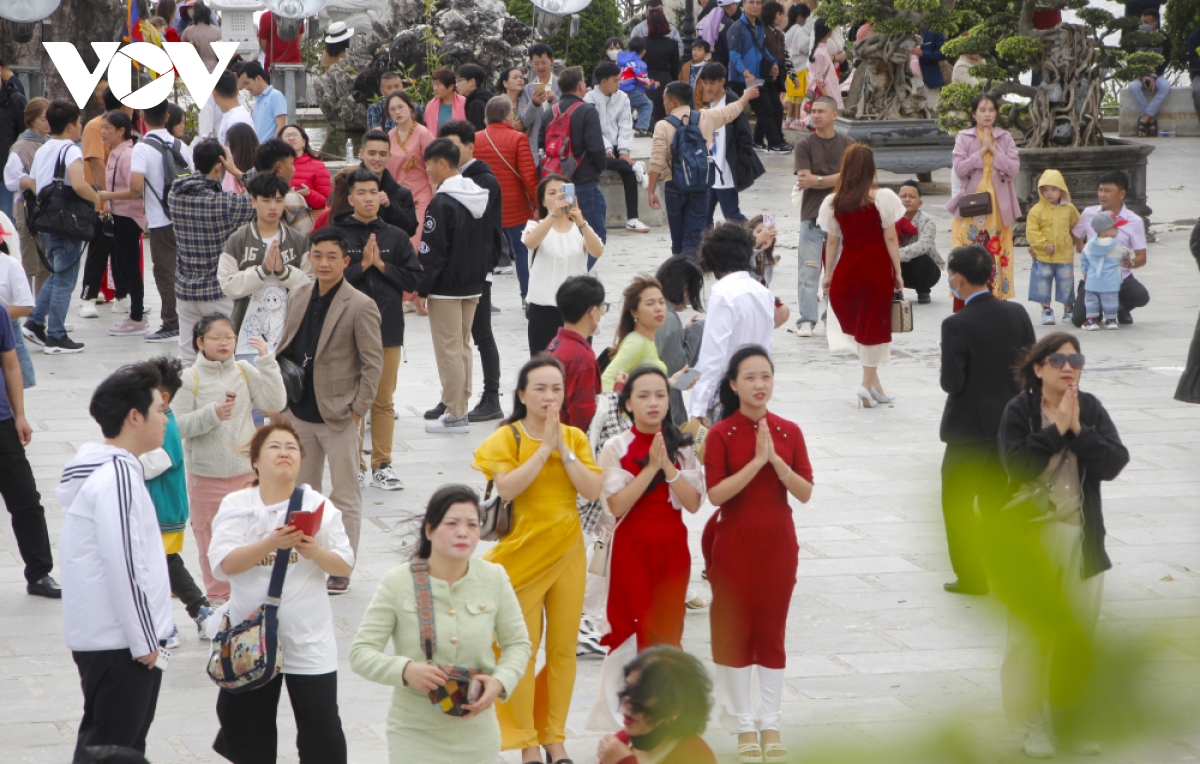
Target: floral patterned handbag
{"points": [[247, 656], [462, 684]]}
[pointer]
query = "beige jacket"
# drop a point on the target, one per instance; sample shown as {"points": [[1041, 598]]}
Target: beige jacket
{"points": [[664, 133]]}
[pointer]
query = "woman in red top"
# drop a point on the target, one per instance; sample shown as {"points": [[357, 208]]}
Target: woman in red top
{"points": [[751, 557], [311, 172], [339, 199], [861, 218]]}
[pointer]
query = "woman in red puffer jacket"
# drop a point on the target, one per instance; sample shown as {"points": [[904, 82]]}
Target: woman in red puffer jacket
{"points": [[311, 172]]}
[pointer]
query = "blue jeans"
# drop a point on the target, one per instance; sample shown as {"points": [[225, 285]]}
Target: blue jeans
{"points": [[812, 249], [53, 302], [595, 211], [1060, 276], [687, 214], [1101, 301], [23, 357], [640, 102], [6, 206], [520, 256], [1162, 89], [728, 199]]}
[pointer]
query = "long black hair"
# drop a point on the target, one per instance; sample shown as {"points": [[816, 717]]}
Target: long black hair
{"points": [[121, 121], [672, 437], [439, 504], [682, 282], [539, 361], [821, 30], [677, 684], [729, 399]]}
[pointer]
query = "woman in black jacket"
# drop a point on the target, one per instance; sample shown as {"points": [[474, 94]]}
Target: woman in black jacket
{"points": [[1057, 444], [1189, 384], [661, 57]]}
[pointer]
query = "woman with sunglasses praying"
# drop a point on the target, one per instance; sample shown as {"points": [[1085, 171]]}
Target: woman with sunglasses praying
{"points": [[1057, 444]]}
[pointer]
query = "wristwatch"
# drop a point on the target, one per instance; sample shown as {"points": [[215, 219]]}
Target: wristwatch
{"points": [[820, 180], [570, 458]]}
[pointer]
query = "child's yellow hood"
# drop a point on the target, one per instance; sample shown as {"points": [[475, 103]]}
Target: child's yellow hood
{"points": [[1055, 178]]}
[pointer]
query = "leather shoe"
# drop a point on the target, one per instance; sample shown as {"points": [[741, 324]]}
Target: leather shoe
{"points": [[45, 587], [958, 587], [435, 412]]}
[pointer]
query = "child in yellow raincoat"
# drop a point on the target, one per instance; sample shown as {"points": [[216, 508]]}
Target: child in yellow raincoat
{"points": [[1048, 231]]}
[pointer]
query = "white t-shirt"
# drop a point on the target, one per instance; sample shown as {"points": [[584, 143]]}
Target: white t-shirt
{"points": [[14, 285], [148, 162], [559, 256], [46, 157], [305, 619], [237, 115], [265, 315], [720, 158]]}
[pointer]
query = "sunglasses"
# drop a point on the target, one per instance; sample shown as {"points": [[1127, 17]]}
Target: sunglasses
{"points": [[1058, 360], [637, 706]]}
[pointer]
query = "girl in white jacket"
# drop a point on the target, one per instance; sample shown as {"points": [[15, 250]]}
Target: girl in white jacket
{"points": [[213, 411]]}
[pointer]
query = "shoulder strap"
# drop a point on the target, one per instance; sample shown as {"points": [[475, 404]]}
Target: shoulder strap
{"points": [[694, 119], [60, 165], [275, 589], [510, 168], [674, 122], [487, 492], [420, 574]]}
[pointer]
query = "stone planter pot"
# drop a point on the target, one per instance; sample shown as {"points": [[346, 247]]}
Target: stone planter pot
{"points": [[1082, 168], [903, 146]]}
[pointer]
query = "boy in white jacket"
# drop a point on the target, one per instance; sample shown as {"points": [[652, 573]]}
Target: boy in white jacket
{"points": [[116, 592], [616, 122]]}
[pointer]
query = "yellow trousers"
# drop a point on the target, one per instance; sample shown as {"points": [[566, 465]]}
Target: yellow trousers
{"points": [[536, 711]]}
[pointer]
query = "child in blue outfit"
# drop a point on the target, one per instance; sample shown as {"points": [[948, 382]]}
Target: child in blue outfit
{"points": [[635, 81], [167, 483], [1101, 261]]}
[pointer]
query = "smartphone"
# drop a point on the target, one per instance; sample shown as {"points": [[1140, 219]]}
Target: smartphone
{"points": [[686, 379], [474, 689], [568, 193], [538, 87], [769, 220]]}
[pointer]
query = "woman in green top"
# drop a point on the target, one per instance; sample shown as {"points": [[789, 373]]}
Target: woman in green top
{"points": [[472, 602], [642, 314]]}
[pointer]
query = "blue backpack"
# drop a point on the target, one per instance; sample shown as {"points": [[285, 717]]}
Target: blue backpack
{"points": [[692, 167]]}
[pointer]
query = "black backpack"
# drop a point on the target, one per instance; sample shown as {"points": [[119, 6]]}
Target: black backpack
{"points": [[174, 167], [60, 211]]}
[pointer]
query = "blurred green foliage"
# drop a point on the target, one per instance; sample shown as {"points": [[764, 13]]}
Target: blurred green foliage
{"points": [[598, 22]]}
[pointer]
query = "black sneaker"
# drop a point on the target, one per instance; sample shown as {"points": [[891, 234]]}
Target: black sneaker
{"points": [[61, 346], [923, 298], [1124, 316], [435, 412], [782, 148], [34, 333], [163, 335], [487, 410]]}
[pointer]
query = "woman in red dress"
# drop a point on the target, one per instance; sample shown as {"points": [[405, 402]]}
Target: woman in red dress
{"points": [[751, 561], [861, 218]]}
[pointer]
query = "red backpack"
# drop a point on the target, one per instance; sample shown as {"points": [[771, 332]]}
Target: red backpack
{"points": [[560, 159]]}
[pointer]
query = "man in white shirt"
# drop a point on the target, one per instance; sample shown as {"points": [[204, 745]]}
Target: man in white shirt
{"points": [[741, 312], [146, 180], [1132, 234], [232, 111], [733, 147], [45, 323]]}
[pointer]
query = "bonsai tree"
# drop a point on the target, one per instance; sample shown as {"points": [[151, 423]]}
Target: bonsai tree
{"points": [[1073, 61]]}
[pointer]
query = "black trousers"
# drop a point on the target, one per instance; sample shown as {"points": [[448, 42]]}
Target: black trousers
{"points": [[126, 264], [481, 335], [184, 586], [629, 181], [119, 698], [764, 113], [771, 90], [248, 734], [544, 323], [100, 249], [971, 475], [20, 494], [1133, 294], [920, 273]]}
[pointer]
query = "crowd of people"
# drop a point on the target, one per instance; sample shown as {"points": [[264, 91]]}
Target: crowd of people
{"points": [[285, 290]]}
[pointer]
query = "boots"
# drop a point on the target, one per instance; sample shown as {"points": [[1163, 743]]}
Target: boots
{"points": [[487, 409]]}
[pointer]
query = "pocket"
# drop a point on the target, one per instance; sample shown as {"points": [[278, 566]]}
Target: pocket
{"points": [[484, 606]]}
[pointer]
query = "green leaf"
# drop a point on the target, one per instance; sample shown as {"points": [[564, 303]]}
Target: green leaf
{"points": [[1019, 50], [1095, 18]]}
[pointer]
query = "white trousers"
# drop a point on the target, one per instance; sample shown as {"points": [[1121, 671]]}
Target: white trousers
{"points": [[735, 693]]}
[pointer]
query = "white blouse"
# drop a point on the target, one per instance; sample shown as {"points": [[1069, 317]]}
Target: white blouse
{"points": [[559, 256], [891, 209], [617, 477]]}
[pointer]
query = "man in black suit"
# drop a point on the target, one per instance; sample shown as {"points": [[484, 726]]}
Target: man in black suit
{"points": [[980, 346]]}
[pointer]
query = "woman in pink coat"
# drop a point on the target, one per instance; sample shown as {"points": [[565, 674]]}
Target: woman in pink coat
{"points": [[986, 160], [822, 72], [447, 104]]}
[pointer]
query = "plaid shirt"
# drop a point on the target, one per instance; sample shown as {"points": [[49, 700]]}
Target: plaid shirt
{"points": [[583, 377], [204, 217]]}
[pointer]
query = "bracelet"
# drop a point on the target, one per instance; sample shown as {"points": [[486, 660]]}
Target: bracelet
{"points": [[678, 473], [785, 478]]}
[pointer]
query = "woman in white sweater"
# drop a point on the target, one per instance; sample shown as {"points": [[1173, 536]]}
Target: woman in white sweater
{"points": [[213, 411]]}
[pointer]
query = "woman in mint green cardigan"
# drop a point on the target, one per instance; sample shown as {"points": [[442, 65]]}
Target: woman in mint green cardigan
{"points": [[642, 313], [474, 606]]}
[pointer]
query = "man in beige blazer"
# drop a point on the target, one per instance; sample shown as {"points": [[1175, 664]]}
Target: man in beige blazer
{"points": [[333, 335]]}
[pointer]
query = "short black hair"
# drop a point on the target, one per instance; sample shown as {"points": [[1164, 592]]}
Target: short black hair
{"points": [[205, 323], [540, 49], [1151, 11], [472, 72], [207, 155], [226, 85], [713, 71], [679, 91], [253, 70], [374, 135], [727, 248], [459, 128], [111, 102], [442, 148], [156, 115], [329, 233], [169, 371], [268, 154], [604, 70], [267, 184], [577, 295], [702, 43], [175, 115], [682, 282], [637, 45], [913, 185], [61, 115], [360, 176], [389, 75], [677, 683], [1117, 178], [570, 79], [129, 388], [445, 75], [972, 262], [439, 504]]}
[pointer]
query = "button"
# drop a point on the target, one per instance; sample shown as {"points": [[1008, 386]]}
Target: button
{"points": [[483, 606], [455, 590], [454, 640], [451, 612]]}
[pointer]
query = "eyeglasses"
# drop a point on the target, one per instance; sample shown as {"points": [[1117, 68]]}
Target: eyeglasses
{"points": [[1058, 360]]}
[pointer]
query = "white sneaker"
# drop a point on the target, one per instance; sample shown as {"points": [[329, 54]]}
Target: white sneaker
{"points": [[385, 478], [447, 423], [1038, 745], [805, 329], [172, 641], [633, 225], [87, 309], [364, 479], [120, 305], [639, 172]]}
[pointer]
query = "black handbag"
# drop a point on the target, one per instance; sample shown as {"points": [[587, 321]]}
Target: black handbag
{"points": [[497, 513], [1034, 502], [293, 378], [975, 205], [62, 212]]}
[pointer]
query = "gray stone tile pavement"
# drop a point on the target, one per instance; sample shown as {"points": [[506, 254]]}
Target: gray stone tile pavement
{"points": [[877, 651]]}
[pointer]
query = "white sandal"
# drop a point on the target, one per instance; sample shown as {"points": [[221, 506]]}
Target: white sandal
{"points": [[775, 753], [750, 753]]}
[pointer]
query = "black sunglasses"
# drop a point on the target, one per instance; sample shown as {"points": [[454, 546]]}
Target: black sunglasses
{"points": [[628, 697], [1058, 360]]}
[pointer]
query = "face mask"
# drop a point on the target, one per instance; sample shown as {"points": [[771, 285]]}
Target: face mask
{"points": [[652, 739], [1144, 27], [953, 291], [612, 54]]}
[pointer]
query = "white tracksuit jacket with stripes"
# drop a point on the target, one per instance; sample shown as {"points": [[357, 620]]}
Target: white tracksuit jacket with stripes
{"points": [[116, 592]]}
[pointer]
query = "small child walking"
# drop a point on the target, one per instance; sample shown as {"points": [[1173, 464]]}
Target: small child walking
{"points": [[1048, 231], [1101, 263], [167, 484]]}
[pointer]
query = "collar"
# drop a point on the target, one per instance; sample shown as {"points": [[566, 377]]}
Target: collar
{"points": [[972, 297], [568, 334], [270, 89], [463, 167], [328, 296]]}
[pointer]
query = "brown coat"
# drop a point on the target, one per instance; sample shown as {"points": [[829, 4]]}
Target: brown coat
{"points": [[349, 357]]}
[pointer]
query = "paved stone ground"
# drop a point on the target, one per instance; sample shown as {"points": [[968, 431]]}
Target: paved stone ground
{"points": [[877, 651]]}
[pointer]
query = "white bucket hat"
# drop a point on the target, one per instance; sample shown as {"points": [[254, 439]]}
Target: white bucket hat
{"points": [[338, 32]]}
